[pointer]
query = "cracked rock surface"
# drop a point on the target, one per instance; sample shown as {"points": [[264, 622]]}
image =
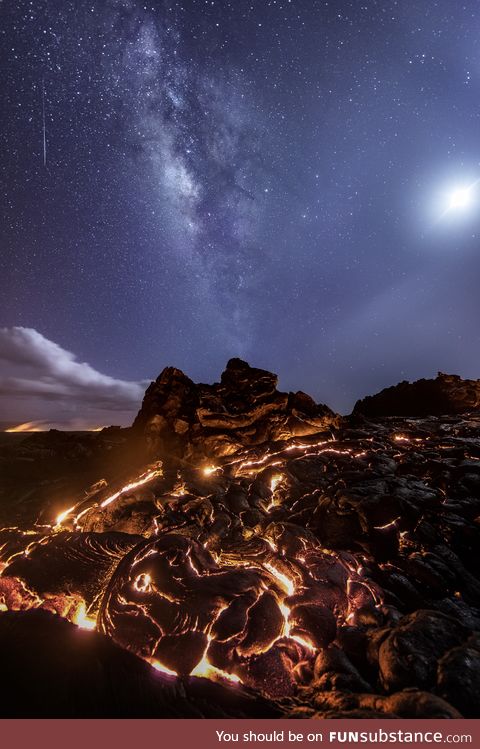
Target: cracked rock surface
{"points": [[255, 543]]}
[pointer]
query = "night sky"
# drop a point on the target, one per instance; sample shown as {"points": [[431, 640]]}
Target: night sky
{"points": [[288, 181]]}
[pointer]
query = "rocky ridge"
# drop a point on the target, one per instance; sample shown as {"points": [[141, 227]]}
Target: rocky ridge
{"points": [[180, 419], [446, 394]]}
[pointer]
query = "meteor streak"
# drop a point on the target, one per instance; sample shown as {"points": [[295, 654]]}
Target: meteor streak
{"points": [[44, 128]]}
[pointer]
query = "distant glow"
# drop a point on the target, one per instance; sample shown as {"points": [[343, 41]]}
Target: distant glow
{"points": [[45, 426], [28, 426]]}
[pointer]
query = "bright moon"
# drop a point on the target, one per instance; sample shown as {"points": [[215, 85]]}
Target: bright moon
{"points": [[460, 198]]}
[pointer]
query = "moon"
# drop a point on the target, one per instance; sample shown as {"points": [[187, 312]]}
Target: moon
{"points": [[460, 198], [457, 201]]}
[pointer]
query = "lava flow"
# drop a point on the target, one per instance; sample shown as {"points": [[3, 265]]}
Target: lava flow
{"points": [[266, 543]]}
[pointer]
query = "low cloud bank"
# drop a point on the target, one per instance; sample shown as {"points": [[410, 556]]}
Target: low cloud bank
{"points": [[42, 382]]}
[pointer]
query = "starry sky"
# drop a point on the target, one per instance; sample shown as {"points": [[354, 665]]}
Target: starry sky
{"points": [[272, 179]]}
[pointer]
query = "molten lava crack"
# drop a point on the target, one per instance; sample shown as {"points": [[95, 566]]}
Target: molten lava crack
{"points": [[331, 565]]}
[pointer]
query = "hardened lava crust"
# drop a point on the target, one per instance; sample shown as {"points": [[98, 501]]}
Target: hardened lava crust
{"points": [[240, 551]]}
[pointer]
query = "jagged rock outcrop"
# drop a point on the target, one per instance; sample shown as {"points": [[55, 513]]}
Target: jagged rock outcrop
{"points": [[182, 419], [446, 394]]}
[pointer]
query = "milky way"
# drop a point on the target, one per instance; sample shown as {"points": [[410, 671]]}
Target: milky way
{"points": [[239, 178]]}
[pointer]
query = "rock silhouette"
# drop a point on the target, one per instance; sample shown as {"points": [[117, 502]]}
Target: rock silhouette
{"points": [[447, 394]]}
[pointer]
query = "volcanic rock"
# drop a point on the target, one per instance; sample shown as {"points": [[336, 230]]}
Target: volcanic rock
{"points": [[458, 678], [446, 394], [328, 564], [316, 622], [70, 563], [180, 419], [334, 671], [409, 654], [54, 670], [406, 704]]}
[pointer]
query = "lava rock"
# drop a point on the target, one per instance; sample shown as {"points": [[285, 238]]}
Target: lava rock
{"points": [[181, 419], [315, 623], [447, 394], [409, 654], [458, 679], [55, 670]]}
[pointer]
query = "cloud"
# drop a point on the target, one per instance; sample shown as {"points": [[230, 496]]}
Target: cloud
{"points": [[41, 381]]}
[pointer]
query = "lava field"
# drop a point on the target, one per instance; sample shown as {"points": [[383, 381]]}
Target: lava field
{"points": [[245, 552]]}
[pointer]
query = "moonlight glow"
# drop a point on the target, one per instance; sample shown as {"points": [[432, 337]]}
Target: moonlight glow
{"points": [[460, 198]]}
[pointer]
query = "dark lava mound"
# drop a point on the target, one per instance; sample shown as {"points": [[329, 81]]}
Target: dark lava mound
{"points": [[247, 552], [447, 394]]}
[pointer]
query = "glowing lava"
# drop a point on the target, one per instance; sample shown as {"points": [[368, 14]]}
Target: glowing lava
{"points": [[209, 470], [283, 580], [144, 478], [180, 594], [81, 619]]}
